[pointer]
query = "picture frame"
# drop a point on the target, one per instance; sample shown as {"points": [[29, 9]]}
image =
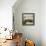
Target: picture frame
{"points": [[28, 18]]}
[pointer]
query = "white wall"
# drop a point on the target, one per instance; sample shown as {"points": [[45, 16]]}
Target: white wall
{"points": [[27, 6], [43, 22], [30, 32], [6, 13]]}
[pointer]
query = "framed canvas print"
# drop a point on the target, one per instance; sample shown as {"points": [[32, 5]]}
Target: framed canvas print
{"points": [[28, 18]]}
